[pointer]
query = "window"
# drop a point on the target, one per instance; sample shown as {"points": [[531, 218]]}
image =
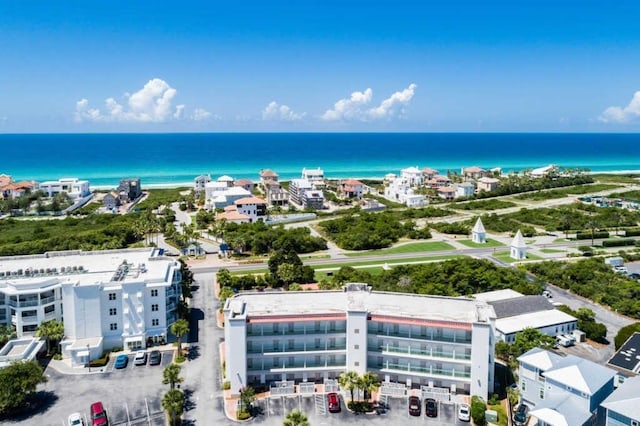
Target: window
{"points": [[154, 293], [113, 326], [154, 307], [155, 322], [356, 346], [356, 364], [49, 309], [112, 296], [113, 311], [522, 386], [541, 393], [356, 331]]}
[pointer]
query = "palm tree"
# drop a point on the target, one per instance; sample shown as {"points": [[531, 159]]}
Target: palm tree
{"points": [[592, 225], [369, 383], [52, 330], [173, 403], [349, 380], [179, 329], [171, 375], [6, 333], [566, 224], [295, 418]]}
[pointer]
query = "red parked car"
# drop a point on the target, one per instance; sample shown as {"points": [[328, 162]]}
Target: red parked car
{"points": [[334, 402], [98, 415]]}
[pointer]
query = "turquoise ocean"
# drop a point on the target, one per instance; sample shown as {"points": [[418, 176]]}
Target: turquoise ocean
{"points": [[176, 159]]}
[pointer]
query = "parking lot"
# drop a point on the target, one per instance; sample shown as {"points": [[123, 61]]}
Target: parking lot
{"points": [[131, 395], [273, 410]]}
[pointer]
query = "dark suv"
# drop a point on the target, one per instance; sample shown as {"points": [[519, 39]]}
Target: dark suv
{"points": [[431, 407], [521, 415]]}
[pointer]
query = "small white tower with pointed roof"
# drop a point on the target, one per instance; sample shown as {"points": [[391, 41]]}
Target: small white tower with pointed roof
{"points": [[518, 247], [478, 234]]}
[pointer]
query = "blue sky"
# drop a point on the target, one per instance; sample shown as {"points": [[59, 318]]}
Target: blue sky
{"points": [[544, 66]]}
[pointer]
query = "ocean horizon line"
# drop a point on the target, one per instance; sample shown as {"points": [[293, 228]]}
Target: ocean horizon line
{"points": [[173, 185]]}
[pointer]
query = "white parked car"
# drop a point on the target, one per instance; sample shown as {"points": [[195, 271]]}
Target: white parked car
{"points": [[75, 419], [464, 412], [140, 358]]}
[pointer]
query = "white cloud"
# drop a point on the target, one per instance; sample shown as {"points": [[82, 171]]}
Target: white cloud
{"points": [[152, 103], [629, 113], [356, 107], [274, 112], [200, 114]]}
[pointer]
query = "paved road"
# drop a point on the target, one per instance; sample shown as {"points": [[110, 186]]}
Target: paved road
{"points": [[203, 378]]}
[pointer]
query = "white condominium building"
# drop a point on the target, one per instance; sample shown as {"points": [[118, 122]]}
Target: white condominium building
{"points": [[106, 299], [437, 342]]}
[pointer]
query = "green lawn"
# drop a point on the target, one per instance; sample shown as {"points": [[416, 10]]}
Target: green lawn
{"points": [[505, 256], [489, 243], [407, 248], [551, 251], [359, 265]]}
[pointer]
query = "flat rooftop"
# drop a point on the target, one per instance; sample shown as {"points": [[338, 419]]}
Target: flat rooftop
{"points": [[375, 302], [82, 267], [628, 356], [538, 319]]}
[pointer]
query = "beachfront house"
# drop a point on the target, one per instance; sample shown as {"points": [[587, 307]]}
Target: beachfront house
{"points": [[276, 195], [111, 200], [351, 188], [267, 177], [253, 207], [200, 182], [563, 390], [446, 192], [487, 184], [428, 173], [314, 176], [400, 191], [73, 187], [474, 172], [129, 190], [225, 179], [11, 190], [465, 189], [246, 184], [412, 175]]}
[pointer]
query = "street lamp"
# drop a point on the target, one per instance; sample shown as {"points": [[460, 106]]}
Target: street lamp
{"points": [[88, 358]]}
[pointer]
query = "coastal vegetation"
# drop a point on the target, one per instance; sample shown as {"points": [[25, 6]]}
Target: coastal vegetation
{"points": [[35, 203], [587, 322], [493, 204], [572, 190], [94, 232], [367, 231], [516, 183], [576, 216], [457, 277], [165, 197], [258, 238], [593, 279]]}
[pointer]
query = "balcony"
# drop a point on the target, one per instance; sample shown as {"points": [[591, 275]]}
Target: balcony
{"points": [[46, 300], [296, 332], [50, 316], [297, 349], [445, 373], [299, 365], [425, 353], [23, 303], [420, 337]]}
